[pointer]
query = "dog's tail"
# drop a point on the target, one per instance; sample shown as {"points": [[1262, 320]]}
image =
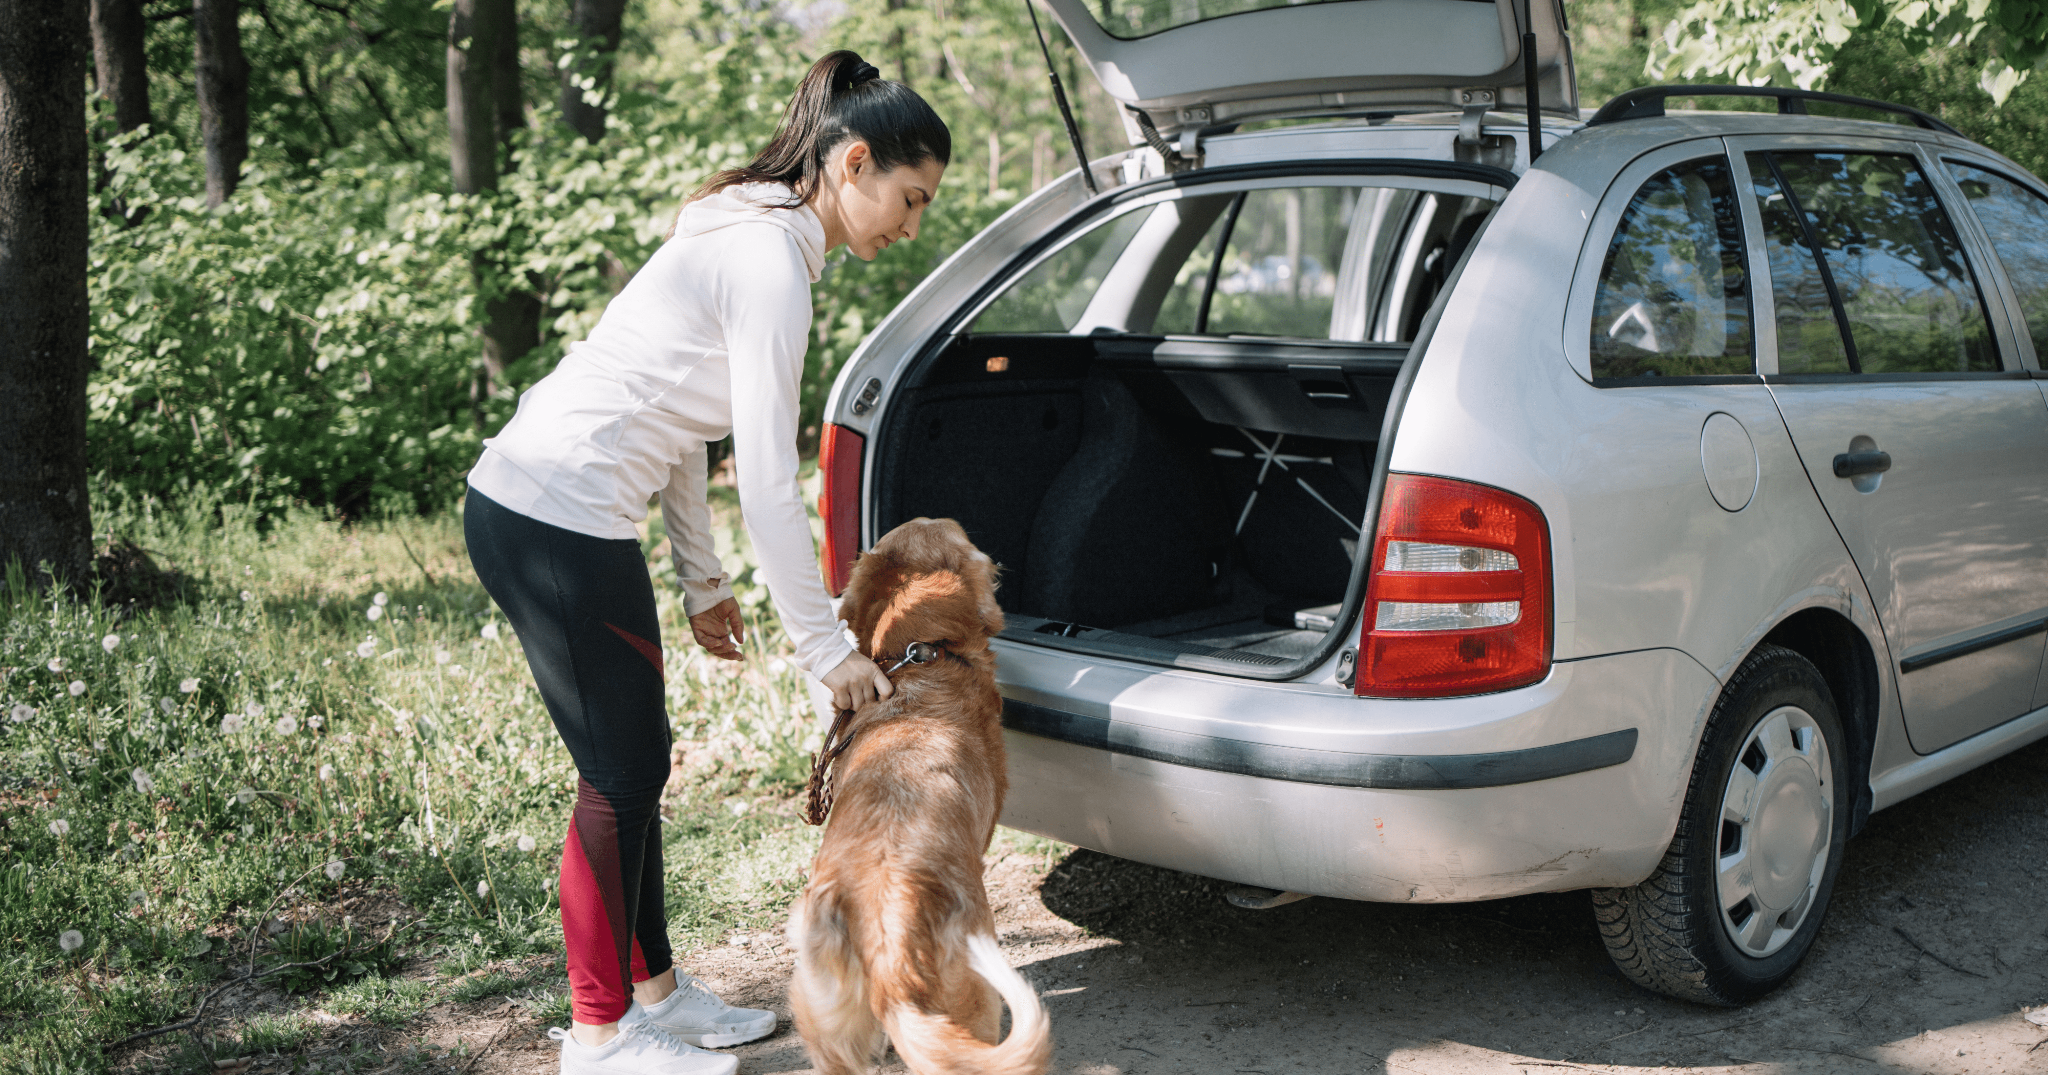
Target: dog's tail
{"points": [[933, 1043], [830, 992]]}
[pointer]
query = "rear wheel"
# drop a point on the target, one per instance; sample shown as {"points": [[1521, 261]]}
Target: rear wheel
{"points": [[1736, 902]]}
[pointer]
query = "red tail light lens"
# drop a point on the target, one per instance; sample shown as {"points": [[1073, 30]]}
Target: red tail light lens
{"points": [[839, 504], [1459, 601]]}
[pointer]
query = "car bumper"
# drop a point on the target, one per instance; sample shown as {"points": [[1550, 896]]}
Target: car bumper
{"points": [[1573, 782]]}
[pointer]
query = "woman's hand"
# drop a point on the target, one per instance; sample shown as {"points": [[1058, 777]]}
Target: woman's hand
{"points": [[720, 630], [856, 682]]}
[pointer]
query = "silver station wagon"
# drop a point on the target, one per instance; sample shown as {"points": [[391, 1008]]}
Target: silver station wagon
{"points": [[1385, 515]]}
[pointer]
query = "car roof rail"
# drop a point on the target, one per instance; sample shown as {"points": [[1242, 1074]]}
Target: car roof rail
{"points": [[1648, 103]]}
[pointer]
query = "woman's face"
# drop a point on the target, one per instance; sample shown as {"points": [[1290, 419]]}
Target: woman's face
{"points": [[872, 208]]}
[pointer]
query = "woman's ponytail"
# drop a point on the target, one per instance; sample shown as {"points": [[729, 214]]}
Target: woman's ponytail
{"points": [[843, 97]]}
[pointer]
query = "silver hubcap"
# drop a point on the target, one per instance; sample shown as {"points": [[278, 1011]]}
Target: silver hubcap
{"points": [[1777, 819]]}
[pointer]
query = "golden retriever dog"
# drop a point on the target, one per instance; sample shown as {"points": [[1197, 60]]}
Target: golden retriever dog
{"points": [[893, 934]]}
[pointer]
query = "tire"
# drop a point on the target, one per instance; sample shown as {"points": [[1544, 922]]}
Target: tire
{"points": [[1769, 785]]}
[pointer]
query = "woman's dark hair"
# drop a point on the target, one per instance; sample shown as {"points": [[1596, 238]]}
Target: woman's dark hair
{"points": [[843, 97]]}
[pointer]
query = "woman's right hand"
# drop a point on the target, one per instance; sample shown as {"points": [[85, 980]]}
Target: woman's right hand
{"points": [[856, 682]]}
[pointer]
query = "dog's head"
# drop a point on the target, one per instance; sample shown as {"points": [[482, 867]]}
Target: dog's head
{"points": [[923, 582]]}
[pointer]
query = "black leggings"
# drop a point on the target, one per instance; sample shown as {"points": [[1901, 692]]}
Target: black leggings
{"points": [[584, 610]]}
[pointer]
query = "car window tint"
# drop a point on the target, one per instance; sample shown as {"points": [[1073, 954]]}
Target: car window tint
{"points": [[1809, 338], [1279, 271], [2017, 220], [1673, 298], [1907, 295], [1055, 293]]}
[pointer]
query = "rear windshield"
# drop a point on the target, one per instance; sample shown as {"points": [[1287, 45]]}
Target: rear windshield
{"points": [[1139, 18]]}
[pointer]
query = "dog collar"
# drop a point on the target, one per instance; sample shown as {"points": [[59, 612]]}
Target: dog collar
{"points": [[920, 653]]}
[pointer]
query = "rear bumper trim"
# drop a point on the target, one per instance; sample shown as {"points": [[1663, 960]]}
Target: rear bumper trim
{"points": [[1308, 765]]}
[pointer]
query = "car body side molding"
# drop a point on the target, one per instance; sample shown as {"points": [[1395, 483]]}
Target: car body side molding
{"points": [[1312, 766]]}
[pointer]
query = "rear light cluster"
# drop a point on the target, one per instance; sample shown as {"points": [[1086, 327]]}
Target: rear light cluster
{"points": [[839, 504], [1459, 601]]}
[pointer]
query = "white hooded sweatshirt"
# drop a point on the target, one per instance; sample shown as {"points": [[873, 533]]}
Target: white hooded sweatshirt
{"points": [[714, 326]]}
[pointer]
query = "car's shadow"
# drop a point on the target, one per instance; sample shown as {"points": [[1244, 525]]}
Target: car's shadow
{"points": [[1936, 925]]}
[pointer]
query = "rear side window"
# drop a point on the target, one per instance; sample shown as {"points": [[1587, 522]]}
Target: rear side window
{"points": [[1053, 296], [2017, 220], [1891, 271], [1279, 271], [1673, 299]]}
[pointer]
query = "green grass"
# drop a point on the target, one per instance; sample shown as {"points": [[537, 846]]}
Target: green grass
{"points": [[328, 713]]}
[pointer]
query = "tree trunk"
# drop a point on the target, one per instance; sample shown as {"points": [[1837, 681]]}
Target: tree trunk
{"points": [[118, 65], [223, 82], [45, 515], [484, 106], [597, 26]]}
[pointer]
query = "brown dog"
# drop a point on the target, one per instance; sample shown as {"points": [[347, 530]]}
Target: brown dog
{"points": [[893, 934]]}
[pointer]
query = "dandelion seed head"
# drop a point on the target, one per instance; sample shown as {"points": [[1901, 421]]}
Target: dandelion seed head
{"points": [[375, 612], [232, 723], [328, 663], [58, 664], [315, 721], [491, 631], [254, 710], [60, 827], [335, 869], [110, 642], [167, 705], [77, 687], [143, 783], [71, 940], [442, 656], [327, 772], [381, 599], [245, 795], [188, 686], [366, 650], [526, 843], [286, 725], [21, 713], [248, 569], [777, 666], [247, 596], [483, 888]]}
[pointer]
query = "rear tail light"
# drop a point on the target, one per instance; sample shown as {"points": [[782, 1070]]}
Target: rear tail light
{"points": [[1459, 601], [839, 504]]}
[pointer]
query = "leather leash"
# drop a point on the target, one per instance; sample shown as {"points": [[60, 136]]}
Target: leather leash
{"points": [[818, 793]]}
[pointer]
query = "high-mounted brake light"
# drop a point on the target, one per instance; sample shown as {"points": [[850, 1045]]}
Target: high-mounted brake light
{"points": [[839, 504], [1459, 601]]}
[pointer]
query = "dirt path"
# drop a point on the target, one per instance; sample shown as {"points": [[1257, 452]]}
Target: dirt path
{"points": [[1937, 940]]}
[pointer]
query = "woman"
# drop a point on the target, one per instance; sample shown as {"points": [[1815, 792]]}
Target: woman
{"points": [[708, 339]]}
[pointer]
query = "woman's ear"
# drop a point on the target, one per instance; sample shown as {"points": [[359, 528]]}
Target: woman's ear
{"points": [[855, 156]]}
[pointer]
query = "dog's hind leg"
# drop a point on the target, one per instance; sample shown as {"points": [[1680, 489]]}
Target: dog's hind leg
{"points": [[828, 994]]}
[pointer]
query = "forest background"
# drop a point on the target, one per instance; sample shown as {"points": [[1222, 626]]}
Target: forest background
{"points": [[335, 333]]}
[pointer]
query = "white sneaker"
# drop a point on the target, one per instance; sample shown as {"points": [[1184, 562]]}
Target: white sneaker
{"points": [[695, 1014], [640, 1048]]}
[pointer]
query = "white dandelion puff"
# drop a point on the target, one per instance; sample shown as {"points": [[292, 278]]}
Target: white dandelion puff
{"points": [[366, 650], [547, 884], [110, 642], [247, 596], [60, 827], [442, 656], [77, 687], [315, 721], [188, 686], [381, 599], [777, 666], [254, 709], [22, 713], [375, 612], [232, 723], [335, 869], [245, 795], [483, 888], [143, 783], [71, 940], [58, 664], [526, 843], [491, 631], [326, 772], [328, 663], [167, 705], [287, 724], [99, 745]]}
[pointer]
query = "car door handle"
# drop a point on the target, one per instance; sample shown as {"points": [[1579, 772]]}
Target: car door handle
{"points": [[1851, 464]]}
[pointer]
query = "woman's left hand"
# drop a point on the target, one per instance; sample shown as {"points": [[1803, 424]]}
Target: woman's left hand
{"points": [[720, 630]]}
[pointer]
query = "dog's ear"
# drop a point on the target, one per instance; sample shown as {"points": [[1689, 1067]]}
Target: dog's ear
{"points": [[989, 577], [876, 576]]}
